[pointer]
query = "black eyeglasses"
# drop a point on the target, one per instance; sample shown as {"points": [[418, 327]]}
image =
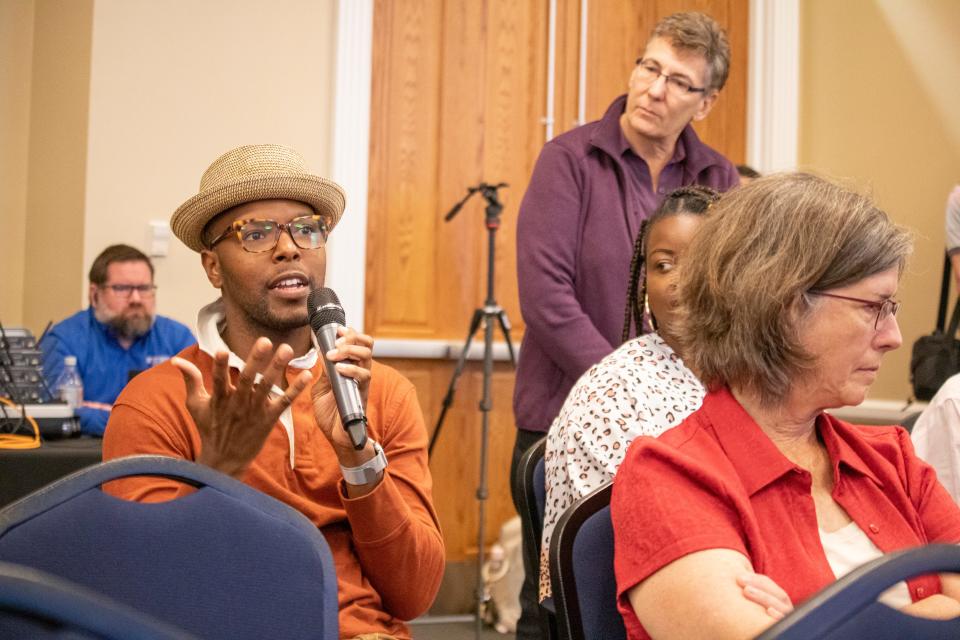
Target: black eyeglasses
{"points": [[678, 85], [126, 290], [257, 236], [885, 308]]}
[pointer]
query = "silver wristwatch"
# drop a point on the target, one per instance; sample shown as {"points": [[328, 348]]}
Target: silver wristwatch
{"points": [[369, 470]]}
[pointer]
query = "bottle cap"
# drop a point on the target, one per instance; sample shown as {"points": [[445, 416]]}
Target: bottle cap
{"points": [[70, 361]]}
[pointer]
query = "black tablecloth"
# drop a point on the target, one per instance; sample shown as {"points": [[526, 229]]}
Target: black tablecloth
{"points": [[23, 471]]}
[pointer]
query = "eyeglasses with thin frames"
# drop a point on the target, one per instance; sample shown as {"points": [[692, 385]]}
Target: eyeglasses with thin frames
{"points": [[126, 290], [885, 308], [678, 85], [257, 236]]}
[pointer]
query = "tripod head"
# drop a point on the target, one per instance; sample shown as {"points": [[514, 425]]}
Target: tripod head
{"points": [[491, 195]]}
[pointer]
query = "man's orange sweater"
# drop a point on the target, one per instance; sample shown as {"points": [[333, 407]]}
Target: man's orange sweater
{"points": [[386, 545]]}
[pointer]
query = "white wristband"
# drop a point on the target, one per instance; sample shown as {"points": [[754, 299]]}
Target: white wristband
{"points": [[369, 471]]}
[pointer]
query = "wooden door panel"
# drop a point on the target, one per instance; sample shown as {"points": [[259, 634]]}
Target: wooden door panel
{"points": [[455, 465], [459, 97], [403, 169]]}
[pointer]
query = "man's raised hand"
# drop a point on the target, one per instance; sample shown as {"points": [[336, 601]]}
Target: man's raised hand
{"points": [[235, 419]]}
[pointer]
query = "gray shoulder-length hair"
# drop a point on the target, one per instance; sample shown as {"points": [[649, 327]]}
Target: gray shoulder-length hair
{"points": [[744, 286]]}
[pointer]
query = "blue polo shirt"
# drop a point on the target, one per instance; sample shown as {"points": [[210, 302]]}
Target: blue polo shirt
{"points": [[104, 365]]}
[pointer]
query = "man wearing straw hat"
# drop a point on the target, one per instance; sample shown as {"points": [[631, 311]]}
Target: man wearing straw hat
{"points": [[252, 399]]}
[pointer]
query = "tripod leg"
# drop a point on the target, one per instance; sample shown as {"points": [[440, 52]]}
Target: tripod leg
{"points": [[486, 404], [505, 326], [451, 389]]}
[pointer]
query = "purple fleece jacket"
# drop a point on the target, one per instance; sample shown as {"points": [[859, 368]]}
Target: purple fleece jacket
{"points": [[578, 220]]}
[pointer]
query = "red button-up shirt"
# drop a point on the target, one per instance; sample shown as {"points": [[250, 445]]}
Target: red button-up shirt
{"points": [[717, 481]]}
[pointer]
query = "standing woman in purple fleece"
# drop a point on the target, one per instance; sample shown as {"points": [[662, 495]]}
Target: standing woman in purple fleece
{"points": [[590, 189]]}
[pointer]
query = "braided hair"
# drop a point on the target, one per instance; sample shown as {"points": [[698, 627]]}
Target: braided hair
{"points": [[694, 200]]}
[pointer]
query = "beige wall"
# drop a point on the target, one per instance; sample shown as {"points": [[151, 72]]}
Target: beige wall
{"points": [[45, 81], [880, 104], [130, 101], [56, 163], [177, 83], [16, 65]]}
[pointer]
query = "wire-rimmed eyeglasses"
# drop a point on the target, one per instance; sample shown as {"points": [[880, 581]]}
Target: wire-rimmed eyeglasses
{"points": [[650, 72], [885, 308]]}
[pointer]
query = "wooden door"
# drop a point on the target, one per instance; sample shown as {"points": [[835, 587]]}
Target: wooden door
{"points": [[458, 97]]}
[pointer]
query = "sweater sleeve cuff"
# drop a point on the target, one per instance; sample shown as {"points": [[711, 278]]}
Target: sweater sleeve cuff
{"points": [[378, 516]]}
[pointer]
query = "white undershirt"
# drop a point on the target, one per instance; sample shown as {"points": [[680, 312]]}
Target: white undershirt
{"points": [[848, 548]]}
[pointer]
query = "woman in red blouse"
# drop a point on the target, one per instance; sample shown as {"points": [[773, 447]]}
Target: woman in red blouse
{"points": [[786, 311]]}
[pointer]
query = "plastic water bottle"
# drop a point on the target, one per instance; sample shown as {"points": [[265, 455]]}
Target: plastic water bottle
{"points": [[70, 385]]}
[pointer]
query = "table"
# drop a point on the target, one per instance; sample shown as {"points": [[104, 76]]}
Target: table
{"points": [[23, 471]]}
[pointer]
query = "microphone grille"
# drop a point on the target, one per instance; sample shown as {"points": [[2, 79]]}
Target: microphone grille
{"points": [[324, 308], [321, 297]]}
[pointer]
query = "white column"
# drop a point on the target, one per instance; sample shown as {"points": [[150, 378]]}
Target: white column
{"points": [[350, 156], [773, 94]]}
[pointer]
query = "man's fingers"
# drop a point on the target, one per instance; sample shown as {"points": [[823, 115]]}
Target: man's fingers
{"points": [[351, 345], [279, 403], [274, 372], [350, 335], [358, 373], [256, 362], [355, 352], [192, 377], [296, 388], [221, 374]]}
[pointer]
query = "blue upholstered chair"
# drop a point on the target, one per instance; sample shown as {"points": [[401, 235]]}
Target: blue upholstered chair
{"points": [[848, 608], [533, 498], [225, 561], [35, 604], [584, 588], [581, 571]]}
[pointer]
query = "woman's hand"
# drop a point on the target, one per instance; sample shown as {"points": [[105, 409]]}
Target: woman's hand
{"points": [[935, 607], [764, 591], [704, 595]]}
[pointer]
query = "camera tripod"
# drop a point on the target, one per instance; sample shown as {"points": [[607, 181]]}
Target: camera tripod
{"points": [[489, 313]]}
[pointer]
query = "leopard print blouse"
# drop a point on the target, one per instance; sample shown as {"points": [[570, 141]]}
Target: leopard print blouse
{"points": [[642, 388]]}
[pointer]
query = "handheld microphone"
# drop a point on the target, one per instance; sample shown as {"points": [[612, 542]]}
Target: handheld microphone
{"points": [[326, 316]]}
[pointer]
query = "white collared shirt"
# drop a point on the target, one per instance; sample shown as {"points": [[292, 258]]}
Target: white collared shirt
{"points": [[936, 435], [211, 322]]}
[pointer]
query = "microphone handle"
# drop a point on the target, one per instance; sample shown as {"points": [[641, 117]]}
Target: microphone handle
{"points": [[345, 390]]}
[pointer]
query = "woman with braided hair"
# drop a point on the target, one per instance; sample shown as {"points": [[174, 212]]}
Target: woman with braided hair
{"points": [[642, 388]]}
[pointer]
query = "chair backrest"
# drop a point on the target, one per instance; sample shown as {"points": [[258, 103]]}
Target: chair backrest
{"points": [[581, 571], [35, 604], [848, 608], [540, 492], [533, 497], [909, 421], [533, 501], [225, 561]]}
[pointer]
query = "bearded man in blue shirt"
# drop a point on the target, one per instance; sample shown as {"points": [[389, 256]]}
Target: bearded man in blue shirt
{"points": [[114, 338]]}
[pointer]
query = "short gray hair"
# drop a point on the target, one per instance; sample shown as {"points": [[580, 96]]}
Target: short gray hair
{"points": [[698, 32]]}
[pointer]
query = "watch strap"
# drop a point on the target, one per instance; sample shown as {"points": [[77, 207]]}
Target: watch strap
{"points": [[367, 472]]}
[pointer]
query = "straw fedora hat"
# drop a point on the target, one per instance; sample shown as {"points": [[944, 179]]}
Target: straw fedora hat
{"points": [[249, 173]]}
